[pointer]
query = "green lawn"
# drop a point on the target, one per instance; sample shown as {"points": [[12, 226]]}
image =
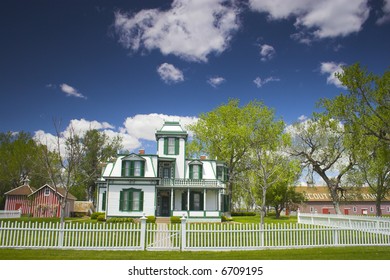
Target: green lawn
{"points": [[340, 253]]}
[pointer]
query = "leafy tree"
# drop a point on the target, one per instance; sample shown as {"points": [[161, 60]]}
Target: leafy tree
{"points": [[364, 112], [320, 146], [19, 155], [282, 195], [224, 133], [366, 106], [97, 147]]}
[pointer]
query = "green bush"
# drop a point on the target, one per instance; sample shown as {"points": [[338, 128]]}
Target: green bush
{"points": [[101, 218], [95, 215], [150, 219], [175, 220], [243, 214], [226, 219], [120, 220]]}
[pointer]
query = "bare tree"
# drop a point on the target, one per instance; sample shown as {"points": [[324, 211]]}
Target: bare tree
{"points": [[319, 144]]}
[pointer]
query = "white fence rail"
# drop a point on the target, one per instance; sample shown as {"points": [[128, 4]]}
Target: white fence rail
{"points": [[366, 223], [10, 214], [71, 236], [185, 236]]}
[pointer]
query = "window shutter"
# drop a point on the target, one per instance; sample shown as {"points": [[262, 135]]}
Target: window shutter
{"points": [[141, 201], [191, 201], [165, 146], [191, 170], [201, 201], [200, 172], [104, 201], [226, 174], [184, 201], [123, 168], [177, 146], [130, 200], [131, 173], [142, 169], [121, 201]]}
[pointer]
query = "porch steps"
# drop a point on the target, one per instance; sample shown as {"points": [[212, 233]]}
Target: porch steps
{"points": [[163, 220]]}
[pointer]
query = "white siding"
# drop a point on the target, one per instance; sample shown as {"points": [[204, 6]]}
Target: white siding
{"points": [[211, 200], [113, 201]]}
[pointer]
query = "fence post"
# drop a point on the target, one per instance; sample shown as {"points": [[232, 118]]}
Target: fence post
{"points": [[299, 215], [335, 236], [61, 234], [143, 231], [183, 232]]}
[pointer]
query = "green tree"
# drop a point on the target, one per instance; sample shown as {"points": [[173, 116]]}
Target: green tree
{"points": [[19, 155], [97, 148], [364, 112], [366, 106], [282, 195], [224, 134]]}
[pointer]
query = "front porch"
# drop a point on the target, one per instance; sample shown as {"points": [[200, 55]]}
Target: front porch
{"points": [[194, 203]]}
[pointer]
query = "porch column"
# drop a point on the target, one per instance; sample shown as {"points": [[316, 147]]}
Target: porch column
{"points": [[172, 202], [219, 201], [204, 199], [188, 200]]}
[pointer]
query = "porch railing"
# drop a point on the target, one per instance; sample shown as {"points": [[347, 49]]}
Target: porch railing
{"points": [[190, 183]]}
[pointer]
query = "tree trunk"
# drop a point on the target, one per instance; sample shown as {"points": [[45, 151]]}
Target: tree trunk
{"points": [[378, 206]]}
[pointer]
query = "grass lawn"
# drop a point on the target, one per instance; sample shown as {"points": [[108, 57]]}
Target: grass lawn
{"points": [[340, 253]]}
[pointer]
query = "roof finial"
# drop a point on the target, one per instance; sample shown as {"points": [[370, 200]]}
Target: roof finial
{"points": [[25, 180]]}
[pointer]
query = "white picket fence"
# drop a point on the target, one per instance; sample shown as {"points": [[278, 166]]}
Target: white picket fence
{"points": [[184, 236], [10, 214], [363, 223]]}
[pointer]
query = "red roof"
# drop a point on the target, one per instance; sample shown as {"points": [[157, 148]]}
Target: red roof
{"points": [[21, 190]]}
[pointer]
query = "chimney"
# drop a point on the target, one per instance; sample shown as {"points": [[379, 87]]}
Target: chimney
{"points": [[141, 152], [203, 157]]}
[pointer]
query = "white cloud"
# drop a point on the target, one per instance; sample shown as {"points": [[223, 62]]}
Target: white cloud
{"points": [[145, 126], [170, 74], [386, 13], [317, 18], [71, 91], [302, 118], [216, 81], [259, 82], [332, 68], [267, 52], [136, 132], [190, 29]]}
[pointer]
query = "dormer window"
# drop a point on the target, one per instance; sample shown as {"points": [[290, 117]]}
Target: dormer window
{"points": [[133, 166], [196, 170]]}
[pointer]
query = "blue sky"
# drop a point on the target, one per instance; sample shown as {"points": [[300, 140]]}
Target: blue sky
{"points": [[125, 66]]}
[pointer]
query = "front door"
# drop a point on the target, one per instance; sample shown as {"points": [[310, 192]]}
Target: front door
{"points": [[163, 203]]}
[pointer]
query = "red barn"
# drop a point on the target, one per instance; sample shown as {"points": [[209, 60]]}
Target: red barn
{"points": [[19, 198], [47, 202]]}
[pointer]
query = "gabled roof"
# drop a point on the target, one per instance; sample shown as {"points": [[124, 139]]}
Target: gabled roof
{"points": [[196, 161], [133, 156], [21, 190], [60, 191]]}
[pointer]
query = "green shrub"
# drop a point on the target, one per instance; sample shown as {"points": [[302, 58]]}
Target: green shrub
{"points": [[175, 220], [101, 218], [95, 215], [243, 214], [150, 219], [226, 219]]}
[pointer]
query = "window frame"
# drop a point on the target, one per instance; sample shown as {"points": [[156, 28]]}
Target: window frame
{"points": [[127, 200], [129, 168]]}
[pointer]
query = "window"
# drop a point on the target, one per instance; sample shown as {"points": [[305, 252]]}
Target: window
{"points": [[47, 192], [388, 209], [196, 201], [354, 209], [171, 146], [372, 209], [196, 171], [131, 200], [132, 168], [222, 173], [104, 201]]}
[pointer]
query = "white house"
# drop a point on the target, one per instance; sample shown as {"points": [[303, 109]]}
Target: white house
{"points": [[165, 184]]}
